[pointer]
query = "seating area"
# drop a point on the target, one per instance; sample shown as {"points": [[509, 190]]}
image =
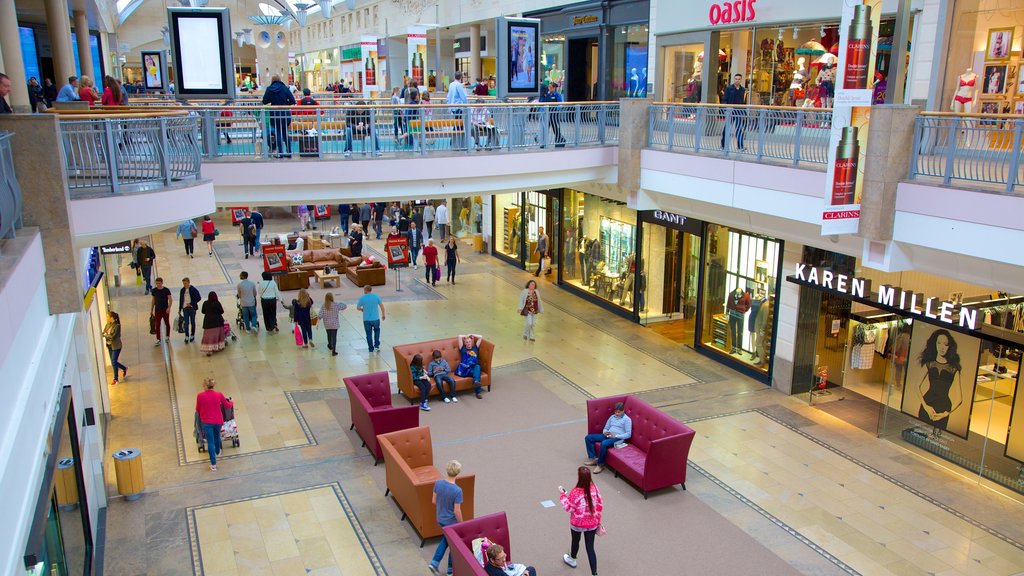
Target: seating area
{"points": [[410, 473], [372, 412], [460, 537], [449, 348], [353, 267], [655, 456]]}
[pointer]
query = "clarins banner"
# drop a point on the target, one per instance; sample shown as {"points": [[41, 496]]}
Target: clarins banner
{"points": [[851, 114], [417, 47], [370, 65]]}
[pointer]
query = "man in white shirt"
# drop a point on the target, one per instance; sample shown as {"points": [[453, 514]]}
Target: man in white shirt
{"points": [[442, 220], [457, 96]]}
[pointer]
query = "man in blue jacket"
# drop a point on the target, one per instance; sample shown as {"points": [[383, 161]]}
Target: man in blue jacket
{"points": [[736, 94], [552, 95], [278, 94]]}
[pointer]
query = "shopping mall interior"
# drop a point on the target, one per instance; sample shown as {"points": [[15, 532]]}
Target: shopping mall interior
{"points": [[784, 235]]}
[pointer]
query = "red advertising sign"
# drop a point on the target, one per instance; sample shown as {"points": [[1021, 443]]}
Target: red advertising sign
{"points": [[398, 252], [322, 211], [732, 11], [238, 213], [274, 258]]}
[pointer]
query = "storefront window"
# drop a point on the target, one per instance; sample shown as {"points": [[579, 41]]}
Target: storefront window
{"points": [[553, 60], [668, 282], [467, 216], [600, 247], [683, 69], [740, 294], [628, 64], [508, 239], [985, 42]]}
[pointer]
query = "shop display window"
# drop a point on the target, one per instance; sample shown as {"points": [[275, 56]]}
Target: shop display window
{"points": [[684, 66], [518, 219], [740, 294], [467, 216], [600, 247], [508, 214], [668, 283], [628, 66], [552, 59], [985, 48]]}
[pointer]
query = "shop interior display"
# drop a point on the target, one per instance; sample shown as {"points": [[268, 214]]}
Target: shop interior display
{"points": [[999, 87], [965, 99]]}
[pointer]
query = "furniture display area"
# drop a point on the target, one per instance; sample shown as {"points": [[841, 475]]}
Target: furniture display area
{"points": [[292, 280], [460, 537], [410, 475], [361, 274], [655, 456], [449, 348], [372, 412], [313, 260], [323, 276]]}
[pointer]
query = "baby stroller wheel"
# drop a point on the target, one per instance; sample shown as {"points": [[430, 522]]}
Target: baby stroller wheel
{"points": [[236, 442], [233, 337]]}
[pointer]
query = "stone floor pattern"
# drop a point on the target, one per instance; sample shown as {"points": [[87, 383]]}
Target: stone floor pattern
{"points": [[300, 496]]}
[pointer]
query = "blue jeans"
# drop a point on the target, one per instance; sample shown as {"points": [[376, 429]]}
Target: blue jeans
{"points": [[348, 141], [442, 547], [259, 234], [476, 378], [147, 274], [281, 139], [606, 443], [413, 253], [424, 385], [114, 354], [249, 320], [212, 432], [189, 324], [441, 378], [372, 329]]}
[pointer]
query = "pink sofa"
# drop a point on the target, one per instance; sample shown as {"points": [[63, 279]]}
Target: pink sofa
{"points": [[372, 414], [656, 455], [460, 541]]}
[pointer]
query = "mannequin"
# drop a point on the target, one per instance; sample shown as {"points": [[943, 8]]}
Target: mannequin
{"points": [[755, 323], [737, 303], [965, 97], [827, 84], [584, 269], [799, 78]]}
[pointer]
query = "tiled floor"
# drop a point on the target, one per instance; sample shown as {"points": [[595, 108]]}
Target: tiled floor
{"points": [[807, 485]]}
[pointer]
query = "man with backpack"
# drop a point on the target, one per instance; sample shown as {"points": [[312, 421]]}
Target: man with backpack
{"points": [[248, 229]]}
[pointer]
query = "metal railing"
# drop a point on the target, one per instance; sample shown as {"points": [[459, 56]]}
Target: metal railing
{"points": [[10, 192], [262, 132], [104, 153], [969, 148], [792, 135]]}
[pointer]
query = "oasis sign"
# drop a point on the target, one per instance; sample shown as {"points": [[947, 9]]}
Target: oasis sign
{"points": [[732, 12], [892, 297]]}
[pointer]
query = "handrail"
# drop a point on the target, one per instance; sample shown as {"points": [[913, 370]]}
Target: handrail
{"points": [[744, 106], [798, 136], [105, 114], [126, 152], [10, 191], [969, 148]]}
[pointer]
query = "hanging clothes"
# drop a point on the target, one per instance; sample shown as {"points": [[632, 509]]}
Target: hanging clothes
{"points": [[862, 356]]}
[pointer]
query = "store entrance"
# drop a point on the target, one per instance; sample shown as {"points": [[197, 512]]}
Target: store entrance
{"points": [[581, 69], [668, 282]]}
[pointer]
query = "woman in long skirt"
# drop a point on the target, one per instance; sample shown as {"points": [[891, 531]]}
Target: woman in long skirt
{"points": [[213, 325]]}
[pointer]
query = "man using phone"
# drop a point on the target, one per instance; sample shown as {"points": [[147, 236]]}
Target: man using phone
{"points": [[619, 428]]}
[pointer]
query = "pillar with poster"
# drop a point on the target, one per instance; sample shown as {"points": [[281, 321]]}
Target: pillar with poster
{"points": [[416, 38], [370, 65], [851, 112]]}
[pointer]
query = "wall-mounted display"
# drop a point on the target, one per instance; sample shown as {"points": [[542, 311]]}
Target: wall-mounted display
{"points": [[518, 56], [203, 57], [154, 69], [1000, 41], [941, 373], [995, 79]]}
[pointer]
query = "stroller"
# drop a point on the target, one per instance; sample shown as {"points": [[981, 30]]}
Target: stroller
{"points": [[229, 431], [239, 320]]}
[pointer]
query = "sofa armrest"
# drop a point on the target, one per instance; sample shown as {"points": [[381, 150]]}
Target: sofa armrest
{"points": [[599, 410], [666, 460], [468, 484], [394, 418], [405, 385]]}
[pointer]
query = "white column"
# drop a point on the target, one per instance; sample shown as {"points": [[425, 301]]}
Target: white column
{"points": [[474, 53], [11, 62], [84, 50], [59, 27]]}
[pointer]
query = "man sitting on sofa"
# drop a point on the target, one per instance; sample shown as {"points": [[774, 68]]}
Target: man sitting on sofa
{"points": [[497, 564], [619, 428]]}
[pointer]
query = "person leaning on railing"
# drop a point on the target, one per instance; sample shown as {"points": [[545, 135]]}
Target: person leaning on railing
{"points": [[278, 94]]}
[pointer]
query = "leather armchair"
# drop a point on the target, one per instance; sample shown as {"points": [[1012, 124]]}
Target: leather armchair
{"points": [[372, 413], [449, 348], [410, 472], [656, 454], [460, 541]]}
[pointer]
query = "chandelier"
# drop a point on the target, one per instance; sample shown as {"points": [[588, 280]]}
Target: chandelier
{"points": [[300, 12], [325, 7], [268, 19]]}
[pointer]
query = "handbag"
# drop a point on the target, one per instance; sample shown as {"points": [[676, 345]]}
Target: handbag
{"points": [[523, 311], [216, 232], [179, 325], [298, 335], [437, 274], [152, 324], [600, 530]]}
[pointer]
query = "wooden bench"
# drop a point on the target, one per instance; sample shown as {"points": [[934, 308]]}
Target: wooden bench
{"points": [[435, 129]]}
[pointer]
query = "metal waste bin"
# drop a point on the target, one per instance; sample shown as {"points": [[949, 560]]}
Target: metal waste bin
{"points": [[66, 484], [128, 468]]}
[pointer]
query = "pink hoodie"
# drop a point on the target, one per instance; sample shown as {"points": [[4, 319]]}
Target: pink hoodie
{"points": [[575, 503]]}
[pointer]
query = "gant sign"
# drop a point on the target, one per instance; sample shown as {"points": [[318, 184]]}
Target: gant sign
{"points": [[732, 12]]}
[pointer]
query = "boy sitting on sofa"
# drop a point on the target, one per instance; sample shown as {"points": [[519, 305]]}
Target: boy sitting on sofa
{"points": [[440, 371]]}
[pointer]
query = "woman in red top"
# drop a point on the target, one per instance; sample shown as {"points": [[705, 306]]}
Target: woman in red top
{"points": [[111, 92], [430, 261], [584, 506], [209, 232], [87, 91], [210, 406]]}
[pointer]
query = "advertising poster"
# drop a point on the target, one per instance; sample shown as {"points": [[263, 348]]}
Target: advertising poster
{"points": [[417, 48], [398, 252], [237, 214], [274, 259], [851, 108], [370, 65], [1015, 435], [522, 56], [322, 211], [153, 70], [636, 71], [942, 368]]}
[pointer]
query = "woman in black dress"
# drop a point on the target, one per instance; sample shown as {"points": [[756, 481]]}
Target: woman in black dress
{"points": [[451, 257], [941, 391]]}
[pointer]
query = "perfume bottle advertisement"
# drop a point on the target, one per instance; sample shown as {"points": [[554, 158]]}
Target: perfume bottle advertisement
{"points": [[370, 65], [416, 43], [858, 42]]}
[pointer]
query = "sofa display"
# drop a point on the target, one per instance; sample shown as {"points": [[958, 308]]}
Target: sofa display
{"points": [[317, 260], [655, 456], [292, 280], [460, 537], [361, 275], [410, 473], [372, 413], [449, 348]]}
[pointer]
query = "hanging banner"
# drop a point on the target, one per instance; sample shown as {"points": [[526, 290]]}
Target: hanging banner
{"points": [[417, 47], [851, 111], [370, 65]]}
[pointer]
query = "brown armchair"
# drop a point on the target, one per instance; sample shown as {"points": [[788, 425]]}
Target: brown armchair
{"points": [[410, 472]]}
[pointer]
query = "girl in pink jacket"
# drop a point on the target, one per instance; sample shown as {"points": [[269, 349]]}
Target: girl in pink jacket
{"points": [[584, 506]]}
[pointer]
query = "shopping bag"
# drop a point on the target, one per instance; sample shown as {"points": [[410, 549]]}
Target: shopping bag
{"points": [[152, 324], [138, 280], [298, 335], [179, 325], [437, 274]]}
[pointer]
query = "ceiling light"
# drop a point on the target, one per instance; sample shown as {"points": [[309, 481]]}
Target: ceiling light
{"points": [[300, 12], [268, 19], [325, 7]]}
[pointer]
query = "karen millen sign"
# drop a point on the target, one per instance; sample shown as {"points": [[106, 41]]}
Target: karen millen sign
{"points": [[892, 297]]}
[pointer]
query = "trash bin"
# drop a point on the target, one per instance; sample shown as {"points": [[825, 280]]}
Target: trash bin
{"points": [[128, 468], [478, 242], [65, 484]]}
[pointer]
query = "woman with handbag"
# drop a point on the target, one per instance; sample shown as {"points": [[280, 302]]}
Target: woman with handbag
{"points": [[584, 506], [112, 336], [301, 308], [209, 233], [529, 306]]}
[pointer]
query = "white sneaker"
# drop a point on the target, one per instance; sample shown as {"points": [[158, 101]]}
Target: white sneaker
{"points": [[446, 400], [348, 154], [455, 399], [569, 560]]}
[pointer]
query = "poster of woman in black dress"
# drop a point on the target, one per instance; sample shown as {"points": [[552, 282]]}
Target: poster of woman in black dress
{"points": [[941, 373]]}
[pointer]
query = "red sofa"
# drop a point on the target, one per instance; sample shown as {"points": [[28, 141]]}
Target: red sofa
{"points": [[656, 455], [460, 541], [372, 413]]}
